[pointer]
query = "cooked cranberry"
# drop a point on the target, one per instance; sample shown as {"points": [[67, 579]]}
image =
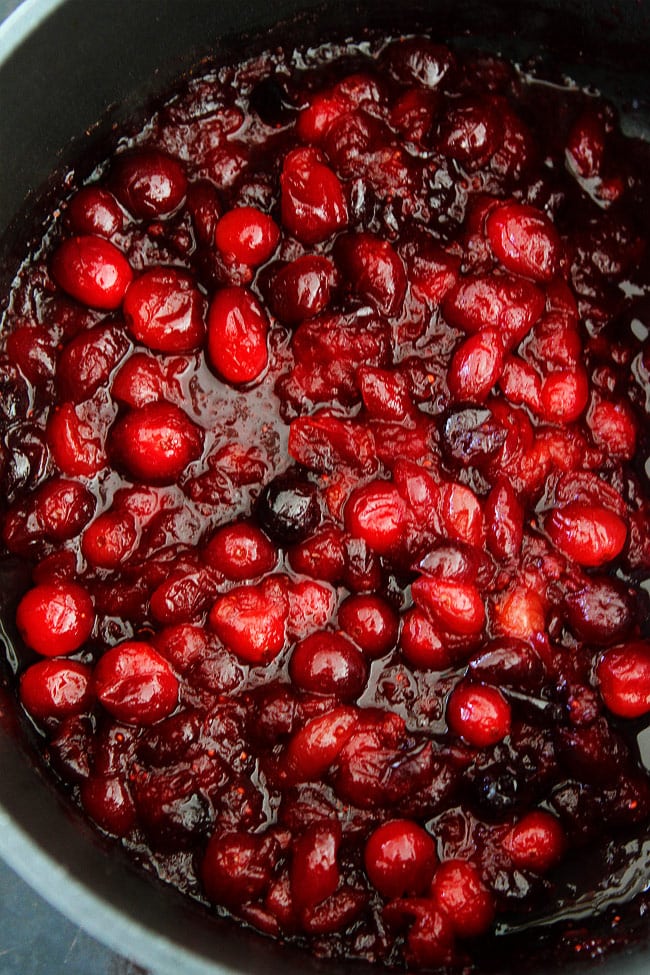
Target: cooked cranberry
{"points": [[536, 842], [508, 663], [302, 288], [251, 621], [328, 663], [600, 612], [109, 539], [421, 642], [476, 367], [246, 235], [288, 509], [564, 395], [240, 551], [237, 335], [460, 893], [76, 448], [155, 443], [589, 534], [92, 270], [87, 361], [107, 800], [135, 684], [457, 606], [94, 210], [419, 60], [164, 310], [236, 868], [586, 144], [55, 689], [321, 555], [376, 513], [430, 940], [623, 673], [317, 744], [58, 511], [313, 205], [149, 183], [469, 133], [314, 867], [205, 208], [524, 240], [139, 381], [32, 348], [55, 618], [373, 269], [400, 858], [478, 713], [505, 521], [371, 622]]}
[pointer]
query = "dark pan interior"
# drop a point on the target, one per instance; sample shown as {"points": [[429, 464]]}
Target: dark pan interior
{"points": [[83, 67]]}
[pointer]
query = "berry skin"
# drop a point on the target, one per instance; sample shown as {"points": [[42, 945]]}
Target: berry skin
{"points": [[237, 332], [302, 288], [312, 201], [328, 663], [246, 235], [109, 539], [234, 869], [456, 606], [135, 684], [314, 868], [508, 304], [476, 367], [524, 240], [536, 842], [92, 270], [148, 183], [165, 311], [251, 621], [55, 618], [373, 269], [421, 644], [155, 443], [371, 622], [479, 714], [317, 744], [623, 674], [460, 893], [55, 689], [400, 858], [73, 441], [240, 551], [376, 513], [94, 210], [108, 802], [588, 534]]}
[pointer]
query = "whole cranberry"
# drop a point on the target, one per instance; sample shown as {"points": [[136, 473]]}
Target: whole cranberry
{"points": [[33, 349], [91, 270], [470, 132], [251, 621], [240, 551], [237, 335], [460, 893], [376, 513], [475, 367], [139, 380], [478, 713], [165, 311], [373, 269], [430, 941], [524, 240], [421, 643], [328, 663], [148, 183], [509, 304], [400, 858], [55, 689], [94, 210], [75, 444], [623, 674], [418, 60], [135, 684], [314, 864], [246, 235], [235, 869], [316, 745], [55, 618], [288, 509], [108, 802], [372, 623], [601, 611], [302, 288], [87, 361], [588, 534], [457, 606], [312, 200], [109, 540], [537, 842], [155, 443]]}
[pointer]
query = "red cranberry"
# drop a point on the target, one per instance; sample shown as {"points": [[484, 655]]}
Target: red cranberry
{"points": [[92, 270], [564, 395], [109, 539], [524, 240], [235, 869], [59, 510], [601, 611], [504, 514], [108, 802], [508, 304], [313, 205], [371, 622], [314, 867], [430, 940], [419, 60], [470, 133], [87, 361], [421, 644], [614, 427], [479, 714], [240, 551], [373, 268], [460, 893], [246, 235], [623, 674], [376, 513], [135, 684], [32, 348], [586, 144], [164, 310], [94, 210], [457, 606], [400, 858], [149, 183], [476, 367], [320, 556], [508, 663], [237, 333], [55, 689], [139, 381], [155, 443], [75, 446], [588, 534], [302, 288], [328, 663], [315, 746], [55, 618], [251, 621], [537, 842]]}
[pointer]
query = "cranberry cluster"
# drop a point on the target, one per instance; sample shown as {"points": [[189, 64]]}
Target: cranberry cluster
{"points": [[324, 422]]}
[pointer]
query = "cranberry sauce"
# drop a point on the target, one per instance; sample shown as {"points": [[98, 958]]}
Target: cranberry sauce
{"points": [[325, 431]]}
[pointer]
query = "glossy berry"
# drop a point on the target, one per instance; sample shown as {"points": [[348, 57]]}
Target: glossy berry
{"points": [[164, 310], [302, 288], [288, 509], [314, 867], [371, 622], [55, 689], [316, 745], [537, 842], [400, 858], [109, 540], [55, 618], [623, 674], [94, 210], [76, 448], [251, 622], [328, 663], [588, 534], [107, 800], [422, 644], [509, 304], [478, 713], [237, 335], [140, 380], [87, 361], [155, 443], [240, 551], [377, 514], [91, 270], [148, 183], [476, 367], [233, 869], [135, 684], [457, 606], [373, 269], [460, 893], [524, 240], [312, 201], [246, 235]]}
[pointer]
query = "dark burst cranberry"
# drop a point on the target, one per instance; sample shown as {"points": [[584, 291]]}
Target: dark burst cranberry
{"points": [[288, 509]]}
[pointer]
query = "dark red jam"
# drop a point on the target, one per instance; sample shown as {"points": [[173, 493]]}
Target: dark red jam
{"points": [[325, 435]]}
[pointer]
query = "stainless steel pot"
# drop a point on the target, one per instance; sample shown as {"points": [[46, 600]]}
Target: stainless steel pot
{"points": [[64, 65]]}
